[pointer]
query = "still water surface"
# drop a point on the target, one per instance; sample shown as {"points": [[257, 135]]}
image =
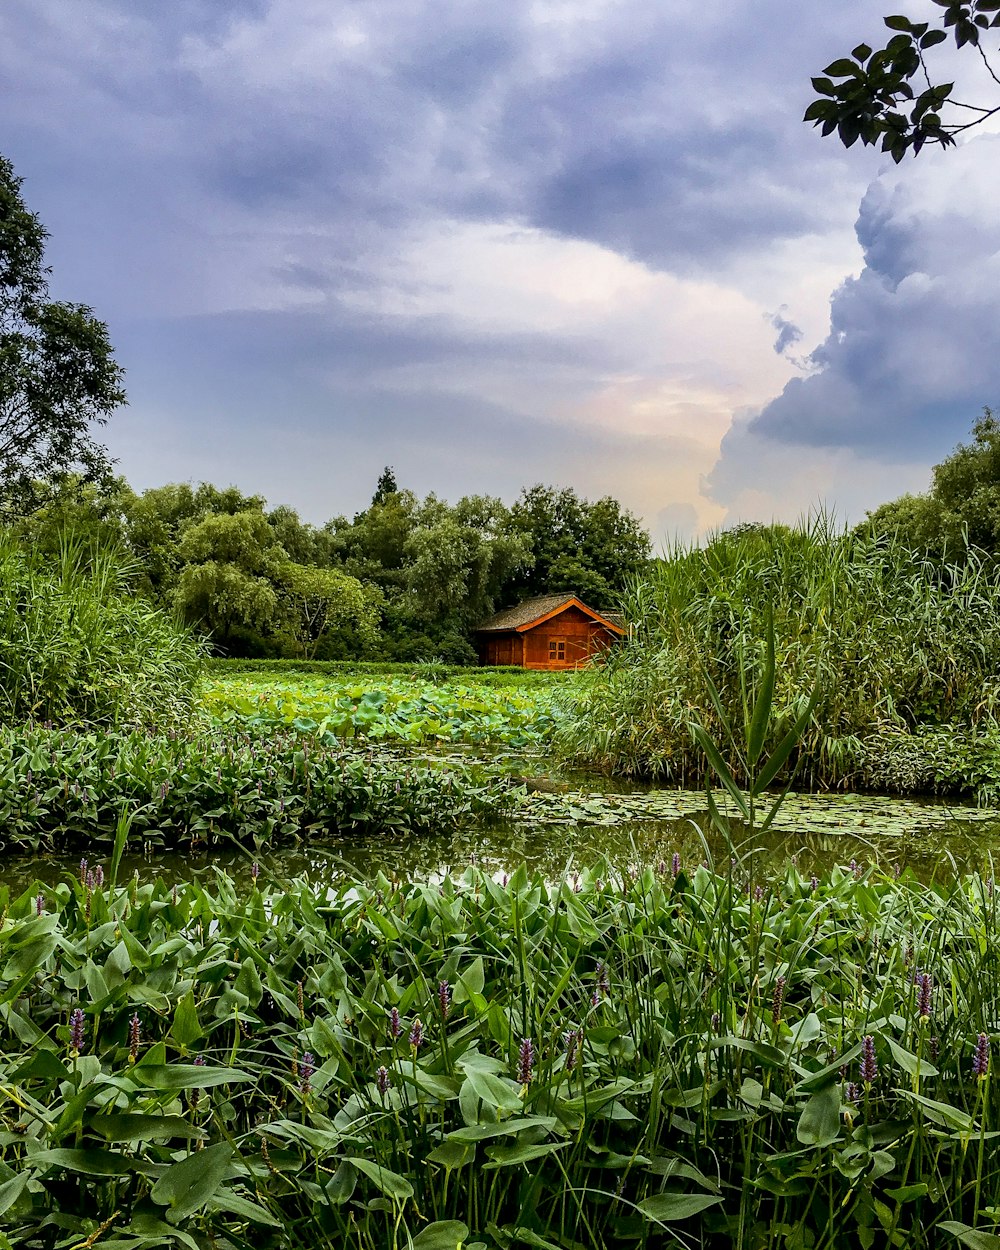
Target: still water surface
{"points": [[554, 832]]}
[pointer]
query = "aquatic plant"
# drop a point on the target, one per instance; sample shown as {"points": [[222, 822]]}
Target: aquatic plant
{"points": [[408, 708], [219, 786], [273, 1101]]}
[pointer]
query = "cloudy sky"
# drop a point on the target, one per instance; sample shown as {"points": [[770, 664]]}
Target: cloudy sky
{"points": [[584, 242]]}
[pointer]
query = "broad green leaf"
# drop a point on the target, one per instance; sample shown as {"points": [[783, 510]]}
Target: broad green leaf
{"points": [[236, 1204], [176, 1076], [819, 1123], [453, 1154], [92, 1162], [508, 1128], [942, 1113], [471, 981], [909, 1062], [721, 768], [127, 1126], [510, 1156], [441, 1235], [186, 1028], [390, 1183], [11, 1189], [761, 717], [974, 1238], [664, 1208], [186, 1186], [779, 756], [493, 1090]]}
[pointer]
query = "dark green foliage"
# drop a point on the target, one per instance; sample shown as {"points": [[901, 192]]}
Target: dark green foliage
{"points": [[870, 94], [440, 568], [899, 648], [58, 376], [687, 1080], [78, 646], [210, 787], [589, 549], [962, 508]]}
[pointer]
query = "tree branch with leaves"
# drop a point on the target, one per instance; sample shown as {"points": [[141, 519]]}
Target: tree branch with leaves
{"points": [[889, 95]]}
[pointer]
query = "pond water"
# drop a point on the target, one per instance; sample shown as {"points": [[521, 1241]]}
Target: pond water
{"points": [[555, 830]]}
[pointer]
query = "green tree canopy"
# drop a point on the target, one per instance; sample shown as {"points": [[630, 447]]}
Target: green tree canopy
{"points": [[962, 508], [58, 376], [318, 601], [870, 95], [229, 565], [591, 549]]}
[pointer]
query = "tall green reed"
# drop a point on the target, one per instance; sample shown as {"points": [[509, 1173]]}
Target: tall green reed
{"points": [[903, 652], [78, 647]]}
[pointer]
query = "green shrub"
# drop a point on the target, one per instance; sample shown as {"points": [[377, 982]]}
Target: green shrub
{"points": [[78, 646]]}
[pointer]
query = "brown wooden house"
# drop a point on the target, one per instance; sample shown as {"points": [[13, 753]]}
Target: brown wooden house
{"points": [[554, 631]]}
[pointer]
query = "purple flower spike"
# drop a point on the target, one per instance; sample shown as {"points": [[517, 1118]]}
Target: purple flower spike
{"points": [[254, 871], [307, 1067], [924, 1004], [573, 1039], [39, 904], [395, 1024], [382, 1081], [416, 1034], [675, 864], [778, 999], [981, 1058], [525, 1061], [444, 999], [133, 1038], [83, 871], [814, 883], [852, 1092], [869, 1064], [76, 1030]]}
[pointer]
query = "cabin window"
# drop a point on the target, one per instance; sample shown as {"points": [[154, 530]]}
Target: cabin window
{"points": [[557, 650]]}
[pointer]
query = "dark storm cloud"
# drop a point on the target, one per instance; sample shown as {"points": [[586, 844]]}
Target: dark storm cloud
{"points": [[268, 164], [914, 347], [645, 128]]}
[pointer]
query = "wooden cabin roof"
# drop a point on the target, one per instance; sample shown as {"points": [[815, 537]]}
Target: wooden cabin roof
{"points": [[532, 612]]}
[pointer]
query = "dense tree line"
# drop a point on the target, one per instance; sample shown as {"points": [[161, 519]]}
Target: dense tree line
{"points": [[406, 578]]}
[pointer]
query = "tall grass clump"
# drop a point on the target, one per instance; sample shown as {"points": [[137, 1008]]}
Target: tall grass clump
{"points": [[77, 646], [904, 655]]}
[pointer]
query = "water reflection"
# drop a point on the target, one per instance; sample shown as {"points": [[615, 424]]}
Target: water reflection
{"points": [[956, 845]]}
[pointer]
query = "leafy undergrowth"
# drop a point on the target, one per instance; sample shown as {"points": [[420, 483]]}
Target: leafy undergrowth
{"points": [[389, 708], [217, 786], [469, 1063]]}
